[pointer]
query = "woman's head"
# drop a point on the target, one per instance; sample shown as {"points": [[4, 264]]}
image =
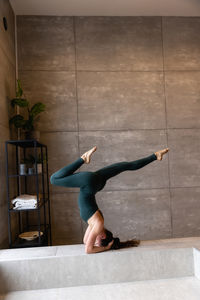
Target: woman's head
{"points": [[99, 238], [108, 238], [117, 244]]}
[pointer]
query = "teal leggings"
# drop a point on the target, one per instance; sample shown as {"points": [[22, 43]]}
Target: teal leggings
{"points": [[92, 182]]}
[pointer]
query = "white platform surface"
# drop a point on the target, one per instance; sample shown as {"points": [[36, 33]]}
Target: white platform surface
{"points": [[73, 250], [186, 288], [183, 287]]}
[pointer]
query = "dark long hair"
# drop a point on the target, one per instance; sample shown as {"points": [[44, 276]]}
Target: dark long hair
{"points": [[117, 244]]}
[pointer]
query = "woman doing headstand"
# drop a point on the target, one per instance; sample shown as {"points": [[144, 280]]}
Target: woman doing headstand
{"points": [[96, 238]]}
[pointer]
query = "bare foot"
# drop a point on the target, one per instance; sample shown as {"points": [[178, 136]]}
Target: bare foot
{"points": [[87, 155], [160, 153]]}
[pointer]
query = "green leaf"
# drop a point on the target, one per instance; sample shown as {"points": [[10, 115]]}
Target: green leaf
{"points": [[28, 125], [37, 108], [19, 91], [20, 102], [17, 120]]}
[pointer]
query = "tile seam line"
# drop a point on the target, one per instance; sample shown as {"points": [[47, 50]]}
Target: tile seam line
{"points": [[136, 189], [107, 16], [77, 103], [109, 130], [116, 130], [166, 124], [76, 84], [106, 71]]}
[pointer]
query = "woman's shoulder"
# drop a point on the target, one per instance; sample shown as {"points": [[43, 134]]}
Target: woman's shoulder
{"points": [[96, 219]]}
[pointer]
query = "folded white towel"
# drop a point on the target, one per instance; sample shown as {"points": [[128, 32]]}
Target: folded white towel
{"points": [[22, 202], [24, 207], [26, 198], [17, 204]]}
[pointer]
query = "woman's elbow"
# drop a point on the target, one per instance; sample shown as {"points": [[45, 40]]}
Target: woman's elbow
{"points": [[88, 250]]}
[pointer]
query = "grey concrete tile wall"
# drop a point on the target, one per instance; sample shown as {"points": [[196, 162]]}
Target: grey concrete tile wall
{"points": [[4, 135], [117, 100], [137, 214], [181, 43], [66, 222], [185, 211], [118, 43], [184, 157], [46, 43], [129, 85], [57, 91], [183, 99], [7, 88], [7, 38]]}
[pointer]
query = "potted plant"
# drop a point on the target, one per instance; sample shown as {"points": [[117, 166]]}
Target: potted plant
{"points": [[27, 125]]}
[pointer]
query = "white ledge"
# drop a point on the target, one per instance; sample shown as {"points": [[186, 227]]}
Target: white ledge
{"points": [[77, 250]]}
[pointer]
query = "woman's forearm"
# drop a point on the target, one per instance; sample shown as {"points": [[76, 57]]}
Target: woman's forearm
{"points": [[96, 249]]}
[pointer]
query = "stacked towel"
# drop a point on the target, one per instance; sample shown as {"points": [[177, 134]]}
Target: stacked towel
{"points": [[25, 201]]}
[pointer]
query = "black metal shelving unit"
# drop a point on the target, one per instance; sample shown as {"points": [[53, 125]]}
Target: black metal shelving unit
{"points": [[43, 223]]}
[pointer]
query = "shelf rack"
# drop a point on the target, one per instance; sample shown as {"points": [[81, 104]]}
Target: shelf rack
{"points": [[42, 203]]}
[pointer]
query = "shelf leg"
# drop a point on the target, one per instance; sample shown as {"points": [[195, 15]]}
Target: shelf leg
{"points": [[37, 190], [49, 212]]}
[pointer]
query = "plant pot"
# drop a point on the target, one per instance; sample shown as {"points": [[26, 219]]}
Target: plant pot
{"points": [[31, 171], [39, 168], [22, 169], [33, 134]]}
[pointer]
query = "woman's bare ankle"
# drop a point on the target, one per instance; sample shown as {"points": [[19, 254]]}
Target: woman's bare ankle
{"points": [[159, 154], [87, 155]]}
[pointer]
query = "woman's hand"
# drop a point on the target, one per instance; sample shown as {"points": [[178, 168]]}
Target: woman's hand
{"points": [[109, 245]]}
